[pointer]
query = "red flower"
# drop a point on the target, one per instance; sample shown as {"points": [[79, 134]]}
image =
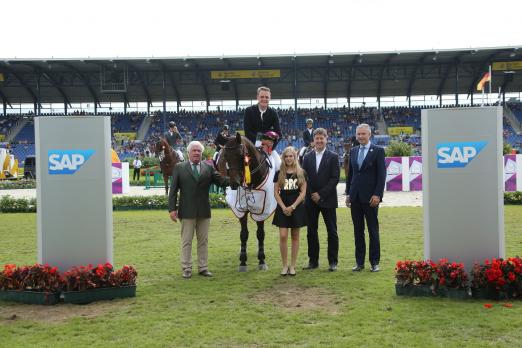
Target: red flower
{"points": [[508, 305], [511, 276], [488, 305]]}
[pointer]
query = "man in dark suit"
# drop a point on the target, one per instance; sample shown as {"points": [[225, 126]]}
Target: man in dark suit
{"points": [[261, 118], [308, 133], [364, 189], [322, 169], [192, 179]]}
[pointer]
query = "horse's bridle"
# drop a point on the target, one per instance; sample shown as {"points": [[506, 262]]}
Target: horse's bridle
{"points": [[246, 159]]}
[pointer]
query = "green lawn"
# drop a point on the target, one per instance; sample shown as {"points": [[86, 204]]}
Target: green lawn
{"points": [[257, 308]]}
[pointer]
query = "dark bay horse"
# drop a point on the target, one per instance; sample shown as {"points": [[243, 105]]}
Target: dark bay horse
{"points": [[168, 160], [235, 152]]}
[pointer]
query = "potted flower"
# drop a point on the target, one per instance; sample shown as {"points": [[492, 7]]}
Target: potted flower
{"points": [[85, 284], [453, 279], [36, 284], [416, 278], [497, 279]]}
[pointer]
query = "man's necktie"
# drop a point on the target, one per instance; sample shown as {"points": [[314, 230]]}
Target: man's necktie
{"points": [[195, 170], [360, 158]]}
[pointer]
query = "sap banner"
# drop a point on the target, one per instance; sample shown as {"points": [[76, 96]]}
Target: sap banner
{"points": [[463, 184], [74, 216]]}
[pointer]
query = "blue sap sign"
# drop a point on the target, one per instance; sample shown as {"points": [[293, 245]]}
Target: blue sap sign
{"points": [[67, 161], [458, 155]]}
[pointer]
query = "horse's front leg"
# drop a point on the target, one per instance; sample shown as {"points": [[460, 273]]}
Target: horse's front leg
{"points": [[261, 245], [244, 239], [166, 180]]}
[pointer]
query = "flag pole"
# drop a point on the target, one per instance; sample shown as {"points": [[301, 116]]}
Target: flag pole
{"points": [[490, 82]]}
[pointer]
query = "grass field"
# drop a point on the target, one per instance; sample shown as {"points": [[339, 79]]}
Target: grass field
{"points": [[257, 308]]}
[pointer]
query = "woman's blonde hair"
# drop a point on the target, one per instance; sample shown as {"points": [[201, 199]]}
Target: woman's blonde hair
{"points": [[297, 170]]}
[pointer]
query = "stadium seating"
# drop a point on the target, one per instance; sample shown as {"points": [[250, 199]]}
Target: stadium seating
{"points": [[204, 126]]}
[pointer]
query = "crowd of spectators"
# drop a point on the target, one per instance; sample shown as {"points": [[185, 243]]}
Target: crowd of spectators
{"points": [[204, 126]]}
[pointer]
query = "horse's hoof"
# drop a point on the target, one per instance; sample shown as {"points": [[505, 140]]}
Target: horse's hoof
{"points": [[243, 269], [263, 267]]}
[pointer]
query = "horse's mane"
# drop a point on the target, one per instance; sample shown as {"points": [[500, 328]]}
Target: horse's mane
{"points": [[251, 148], [165, 143]]}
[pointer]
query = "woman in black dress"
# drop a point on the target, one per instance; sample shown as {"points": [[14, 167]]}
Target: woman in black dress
{"points": [[290, 190]]}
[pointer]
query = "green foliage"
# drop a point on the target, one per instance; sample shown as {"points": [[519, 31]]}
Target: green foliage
{"points": [[208, 153], [398, 149], [507, 148], [17, 184], [258, 308], [157, 202], [513, 197], [9, 204], [148, 162]]}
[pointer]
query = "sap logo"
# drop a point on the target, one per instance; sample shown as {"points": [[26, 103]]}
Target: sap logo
{"points": [[458, 155], [67, 161]]}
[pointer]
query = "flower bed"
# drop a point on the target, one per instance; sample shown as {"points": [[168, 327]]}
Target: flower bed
{"points": [[43, 284], [498, 279], [426, 278], [495, 279]]}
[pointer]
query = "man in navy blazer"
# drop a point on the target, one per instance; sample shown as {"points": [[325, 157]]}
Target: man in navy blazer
{"points": [[322, 169], [364, 189]]}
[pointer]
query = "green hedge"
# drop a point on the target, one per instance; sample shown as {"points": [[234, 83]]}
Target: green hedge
{"points": [[513, 198], [17, 184], [9, 204]]}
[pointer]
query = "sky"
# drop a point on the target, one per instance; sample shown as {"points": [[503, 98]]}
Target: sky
{"points": [[153, 28]]}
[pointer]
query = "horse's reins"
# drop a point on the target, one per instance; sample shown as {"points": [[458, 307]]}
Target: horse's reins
{"points": [[246, 161]]}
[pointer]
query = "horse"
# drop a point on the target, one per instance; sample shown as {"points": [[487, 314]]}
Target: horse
{"points": [[168, 160], [303, 151], [237, 152]]}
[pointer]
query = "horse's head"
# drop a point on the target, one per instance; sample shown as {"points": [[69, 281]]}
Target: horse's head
{"points": [[233, 156], [160, 147]]}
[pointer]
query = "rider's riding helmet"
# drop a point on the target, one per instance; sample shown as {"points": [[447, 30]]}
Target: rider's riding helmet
{"points": [[270, 135]]}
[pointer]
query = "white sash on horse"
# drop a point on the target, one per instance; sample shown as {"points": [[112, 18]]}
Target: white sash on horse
{"points": [[260, 201]]}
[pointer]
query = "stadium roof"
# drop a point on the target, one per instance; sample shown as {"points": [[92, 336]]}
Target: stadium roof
{"points": [[300, 76]]}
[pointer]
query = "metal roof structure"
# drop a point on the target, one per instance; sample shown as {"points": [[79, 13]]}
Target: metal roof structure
{"points": [[179, 79]]}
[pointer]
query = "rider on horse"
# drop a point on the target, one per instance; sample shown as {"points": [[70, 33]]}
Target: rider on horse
{"points": [[308, 138], [267, 146], [261, 118], [308, 133], [221, 138], [172, 136]]}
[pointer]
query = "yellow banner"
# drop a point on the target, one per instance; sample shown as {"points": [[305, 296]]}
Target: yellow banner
{"points": [[245, 74], [125, 136], [1, 77], [400, 130], [2, 137], [501, 66]]}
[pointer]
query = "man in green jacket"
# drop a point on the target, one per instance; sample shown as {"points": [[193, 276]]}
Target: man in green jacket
{"points": [[192, 179]]}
